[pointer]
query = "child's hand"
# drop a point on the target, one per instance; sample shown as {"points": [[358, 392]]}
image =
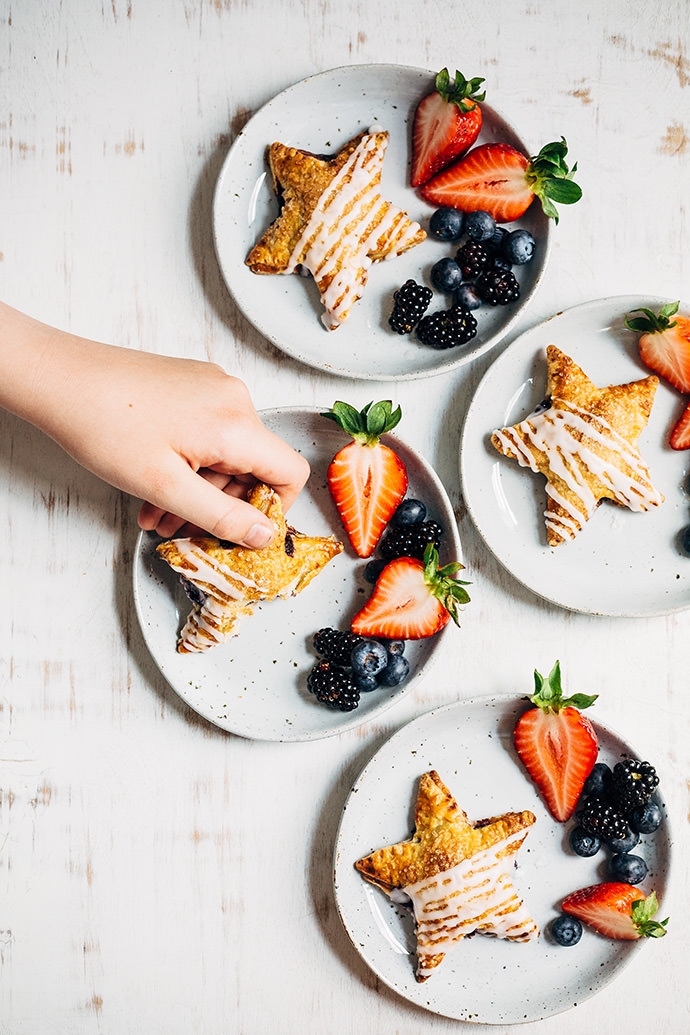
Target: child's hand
{"points": [[180, 434]]}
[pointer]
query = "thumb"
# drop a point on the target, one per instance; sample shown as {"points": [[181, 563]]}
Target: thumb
{"points": [[199, 502]]}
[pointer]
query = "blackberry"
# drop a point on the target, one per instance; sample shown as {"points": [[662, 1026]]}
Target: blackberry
{"points": [[447, 328], [632, 784], [472, 259], [410, 540], [335, 646], [600, 817], [333, 686], [498, 287], [411, 301]]}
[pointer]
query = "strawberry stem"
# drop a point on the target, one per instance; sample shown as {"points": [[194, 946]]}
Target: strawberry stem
{"points": [[548, 176], [548, 693], [653, 322], [368, 424], [443, 584], [461, 91], [642, 910]]}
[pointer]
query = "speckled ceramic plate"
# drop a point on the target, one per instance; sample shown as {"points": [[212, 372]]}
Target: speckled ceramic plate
{"points": [[622, 563], [320, 114], [255, 684], [483, 979]]}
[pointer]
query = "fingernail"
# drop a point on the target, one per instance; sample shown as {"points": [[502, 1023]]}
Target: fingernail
{"points": [[257, 537]]}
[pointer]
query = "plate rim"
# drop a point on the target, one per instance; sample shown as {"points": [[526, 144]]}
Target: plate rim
{"points": [[340, 371], [487, 700], [350, 720], [520, 341]]}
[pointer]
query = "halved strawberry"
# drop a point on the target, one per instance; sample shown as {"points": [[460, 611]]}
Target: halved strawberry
{"points": [[664, 344], [412, 599], [367, 480], [557, 745], [446, 124], [499, 179], [616, 910], [680, 436]]}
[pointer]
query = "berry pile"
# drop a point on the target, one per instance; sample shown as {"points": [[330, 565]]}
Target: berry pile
{"points": [[351, 665], [615, 808], [479, 274], [407, 535]]}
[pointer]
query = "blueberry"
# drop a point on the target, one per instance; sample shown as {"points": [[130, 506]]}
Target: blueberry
{"points": [[583, 843], [409, 512], [365, 684], [495, 243], [566, 930], [500, 263], [631, 869], [480, 226], [518, 247], [466, 295], [646, 818], [446, 275], [598, 780], [374, 569], [620, 845], [394, 647], [684, 540], [395, 671], [368, 658], [446, 224]]}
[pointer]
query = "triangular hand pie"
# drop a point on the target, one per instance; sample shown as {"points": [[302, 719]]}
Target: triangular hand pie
{"points": [[584, 440], [455, 873], [229, 579], [333, 221]]}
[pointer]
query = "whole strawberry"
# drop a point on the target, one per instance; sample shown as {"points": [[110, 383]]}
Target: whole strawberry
{"points": [[499, 179], [616, 910], [446, 124], [556, 743], [366, 479]]}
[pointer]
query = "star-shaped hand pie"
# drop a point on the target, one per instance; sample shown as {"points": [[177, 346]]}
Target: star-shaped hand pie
{"points": [[584, 440], [225, 581], [455, 873], [333, 221]]}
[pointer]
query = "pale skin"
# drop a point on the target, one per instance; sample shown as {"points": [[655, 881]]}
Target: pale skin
{"points": [[179, 434]]}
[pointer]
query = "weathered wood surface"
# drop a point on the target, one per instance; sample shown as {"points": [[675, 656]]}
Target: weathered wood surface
{"points": [[157, 875]]}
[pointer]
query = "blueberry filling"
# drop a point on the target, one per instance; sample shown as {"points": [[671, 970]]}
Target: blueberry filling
{"points": [[289, 545], [545, 404], [193, 592]]}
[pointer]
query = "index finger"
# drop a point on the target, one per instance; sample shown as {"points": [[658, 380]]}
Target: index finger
{"points": [[271, 460]]}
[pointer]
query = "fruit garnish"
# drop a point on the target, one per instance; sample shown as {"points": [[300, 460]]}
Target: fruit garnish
{"points": [[680, 435], [410, 302], [410, 540], [556, 743], [500, 180], [632, 784], [412, 599], [447, 328], [446, 124], [616, 910], [665, 343], [366, 479]]}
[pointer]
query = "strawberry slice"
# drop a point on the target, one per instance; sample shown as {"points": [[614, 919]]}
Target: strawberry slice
{"points": [[664, 344], [412, 599], [557, 745], [680, 436], [367, 480], [499, 179], [616, 910], [446, 123]]}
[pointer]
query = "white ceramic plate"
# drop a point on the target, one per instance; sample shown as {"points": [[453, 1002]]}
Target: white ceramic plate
{"points": [[483, 979], [255, 684], [320, 114], [622, 563]]}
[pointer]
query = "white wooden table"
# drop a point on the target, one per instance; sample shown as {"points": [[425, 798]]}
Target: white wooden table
{"points": [[156, 874]]}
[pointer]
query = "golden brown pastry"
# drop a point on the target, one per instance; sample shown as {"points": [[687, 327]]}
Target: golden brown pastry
{"points": [[456, 873], [584, 440], [230, 579], [333, 221]]}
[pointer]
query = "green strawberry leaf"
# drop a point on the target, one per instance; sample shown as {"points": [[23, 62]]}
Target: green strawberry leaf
{"points": [[642, 910], [551, 180], [368, 424], [548, 693], [651, 322]]}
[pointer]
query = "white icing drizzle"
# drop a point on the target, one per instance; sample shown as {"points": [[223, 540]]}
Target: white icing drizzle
{"points": [[223, 587], [474, 895], [563, 433], [350, 220]]}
